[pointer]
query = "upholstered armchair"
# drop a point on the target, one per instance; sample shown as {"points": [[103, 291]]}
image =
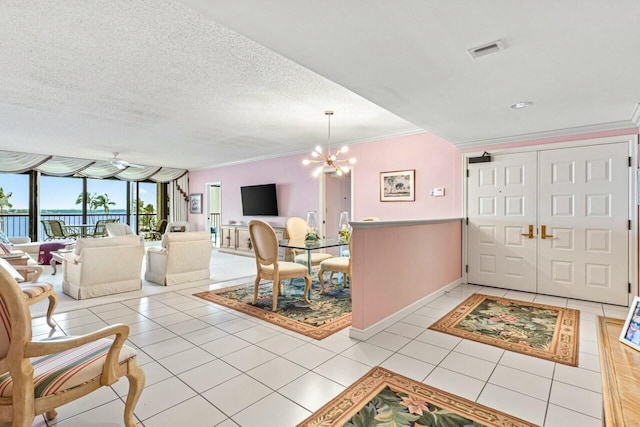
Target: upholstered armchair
{"points": [[177, 227], [115, 229], [106, 266], [36, 377], [181, 257]]}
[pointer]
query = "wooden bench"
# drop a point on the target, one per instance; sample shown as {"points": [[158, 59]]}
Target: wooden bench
{"points": [[620, 369]]}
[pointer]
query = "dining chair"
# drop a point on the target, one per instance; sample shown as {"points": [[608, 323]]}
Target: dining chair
{"points": [[48, 232], [36, 377], [296, 228], [60, 230], [32, 290], [265, 248], [100, 229], [340, 264]]}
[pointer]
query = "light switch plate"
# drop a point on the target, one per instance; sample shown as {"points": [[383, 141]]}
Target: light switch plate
{"points": [[437, 192]]}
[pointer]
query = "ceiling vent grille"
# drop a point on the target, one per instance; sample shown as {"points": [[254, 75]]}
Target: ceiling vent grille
{"points": [[486, 49]]}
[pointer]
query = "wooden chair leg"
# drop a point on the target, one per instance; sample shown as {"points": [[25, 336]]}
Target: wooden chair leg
{"points": [[255, 289], [136, 384], [49, 415], [321, 279], [276, 288], [53, 303], [307, 286]]}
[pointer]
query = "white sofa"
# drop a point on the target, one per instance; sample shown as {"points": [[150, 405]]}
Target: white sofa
{"points": [[106, 266], [183, 257]]}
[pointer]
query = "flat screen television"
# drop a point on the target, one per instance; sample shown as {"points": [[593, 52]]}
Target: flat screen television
{"points": [[259, 200]]}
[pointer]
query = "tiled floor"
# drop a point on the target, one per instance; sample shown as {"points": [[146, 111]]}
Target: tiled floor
{"points": [[210, 366]]}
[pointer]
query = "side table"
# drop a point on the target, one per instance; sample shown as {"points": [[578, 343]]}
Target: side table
{"points": [[57, 257]]}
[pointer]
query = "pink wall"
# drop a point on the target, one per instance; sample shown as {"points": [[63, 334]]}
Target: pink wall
{"points": [[436, 161], [394, 275], [297, 189]]}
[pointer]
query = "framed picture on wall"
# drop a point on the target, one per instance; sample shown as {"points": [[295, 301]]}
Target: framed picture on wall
{"points": [[398, 186], [195, 203], [631, 330]]}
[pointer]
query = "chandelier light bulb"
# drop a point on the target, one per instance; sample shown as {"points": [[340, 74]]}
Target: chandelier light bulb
{"points": [[306, 162], [318, 171], [344, 149], [332, 158], [318, 149], [339, 171], [352, 160], [314, 154]]}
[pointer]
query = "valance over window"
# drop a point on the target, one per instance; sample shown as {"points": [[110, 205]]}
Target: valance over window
{"points": [[12, 162]]}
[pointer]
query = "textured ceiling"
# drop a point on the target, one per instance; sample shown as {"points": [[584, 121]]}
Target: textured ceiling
{"points": [[198, 83], [162, 85]]}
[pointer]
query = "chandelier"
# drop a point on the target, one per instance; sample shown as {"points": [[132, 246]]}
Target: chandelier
{"points": [[328, 159]]}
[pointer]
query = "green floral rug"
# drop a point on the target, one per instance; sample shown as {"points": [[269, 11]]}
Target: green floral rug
{"points": [[539, 330], [384, 398], [328, 312]]}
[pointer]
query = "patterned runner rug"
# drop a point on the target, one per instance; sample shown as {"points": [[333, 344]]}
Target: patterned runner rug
{"points": [[385, 398], [328, 313], [538, 330]]}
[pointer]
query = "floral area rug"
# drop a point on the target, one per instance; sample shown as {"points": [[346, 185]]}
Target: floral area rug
{"points": [[538, 330], [384, 398], [328, 312]]}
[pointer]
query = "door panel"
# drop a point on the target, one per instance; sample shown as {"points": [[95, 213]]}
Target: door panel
{"points": [[501, 206], [584, 204], [580, 196]]}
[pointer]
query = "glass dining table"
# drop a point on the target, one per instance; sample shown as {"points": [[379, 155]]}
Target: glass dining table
{"points": [[301, 244]]}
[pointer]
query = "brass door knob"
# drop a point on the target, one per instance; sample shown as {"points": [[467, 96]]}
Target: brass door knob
{"points": [[530, 233]]}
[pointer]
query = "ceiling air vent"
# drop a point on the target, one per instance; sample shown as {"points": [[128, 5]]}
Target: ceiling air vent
{"points": [[486, 49]]}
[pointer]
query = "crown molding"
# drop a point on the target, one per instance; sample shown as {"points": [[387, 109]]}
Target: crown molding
{"points": [[635, 116], [307, 150], [600, 127]]}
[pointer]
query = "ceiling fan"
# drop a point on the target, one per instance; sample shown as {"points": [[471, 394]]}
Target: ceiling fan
{"points": [[123, 164]]}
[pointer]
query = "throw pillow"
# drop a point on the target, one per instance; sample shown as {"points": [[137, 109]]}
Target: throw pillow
{"points": [[4, 238]]}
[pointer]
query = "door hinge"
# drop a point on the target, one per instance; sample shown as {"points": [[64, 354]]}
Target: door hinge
{"points": [[467, 173], [629, 224], [629, 161], [467, 220], [466, 268], [629, 290]]}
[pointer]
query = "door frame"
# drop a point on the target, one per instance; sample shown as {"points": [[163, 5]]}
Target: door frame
{"points": [[634, 176], [207, 205], [322, 192]]}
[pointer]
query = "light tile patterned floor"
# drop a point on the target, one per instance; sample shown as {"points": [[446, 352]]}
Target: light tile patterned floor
{"points": [[210, 366]]}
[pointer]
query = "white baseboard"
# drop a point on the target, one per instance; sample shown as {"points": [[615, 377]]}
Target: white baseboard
{"points": [[365, 334]]}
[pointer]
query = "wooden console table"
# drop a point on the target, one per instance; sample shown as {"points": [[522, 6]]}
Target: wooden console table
{"points": [[620, 369]]}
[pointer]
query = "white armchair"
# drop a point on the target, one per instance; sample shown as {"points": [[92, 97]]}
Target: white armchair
{"points": [[115, 229], [177, 227], [182, 257], [106, 266]]}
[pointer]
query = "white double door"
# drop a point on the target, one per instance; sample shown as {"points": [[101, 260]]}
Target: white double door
{"points": [[552, 221]]}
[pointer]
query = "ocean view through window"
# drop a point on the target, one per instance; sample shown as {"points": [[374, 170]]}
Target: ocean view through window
{"points": [[63, 198]]}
